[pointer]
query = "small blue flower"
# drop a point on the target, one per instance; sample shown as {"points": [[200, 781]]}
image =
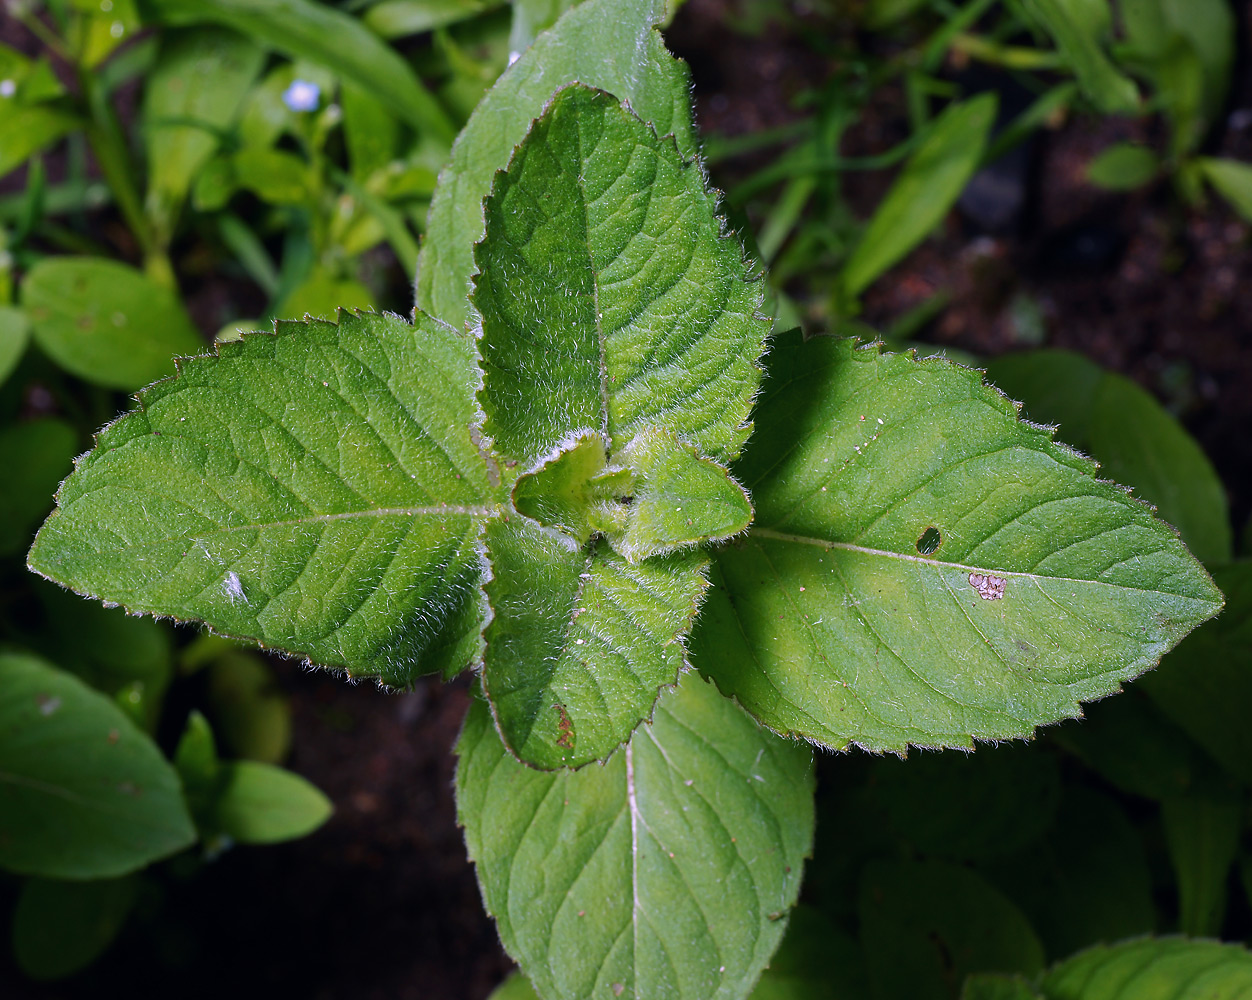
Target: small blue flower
{"points": [[302, 95]]}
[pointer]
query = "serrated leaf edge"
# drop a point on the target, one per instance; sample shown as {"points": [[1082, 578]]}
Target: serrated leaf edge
{"points": [[480, 549]]}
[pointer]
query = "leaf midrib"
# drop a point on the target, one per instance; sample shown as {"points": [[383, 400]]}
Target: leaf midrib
{"points": [[827, 545], [474, 510]]}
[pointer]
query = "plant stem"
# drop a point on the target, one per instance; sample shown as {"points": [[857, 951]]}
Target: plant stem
{"points": [[108, 142]]}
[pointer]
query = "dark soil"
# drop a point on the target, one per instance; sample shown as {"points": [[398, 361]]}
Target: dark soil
{"points": [[382, 903]]}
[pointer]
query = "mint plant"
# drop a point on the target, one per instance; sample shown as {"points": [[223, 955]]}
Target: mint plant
{"points": [[566, 473]]}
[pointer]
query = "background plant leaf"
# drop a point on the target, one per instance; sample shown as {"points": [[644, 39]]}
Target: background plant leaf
{"points": [[398, 18], [696, 832], [193, 94], [929, 185], [1204, 685], [29, 129], [315, 489], [109, 649], [609, 44], [62, 927], [1079, 36], [262, 804], [1123, 166], [106, 322], [36, 455], [14, 334], [322, 34], [1187, 49], [1202, 832], [925, 925], [1086, 880], [83, 793], [1173, 967], [1232, 180], [928, 800], [1046, 587], [816, 961], [516, 987]]}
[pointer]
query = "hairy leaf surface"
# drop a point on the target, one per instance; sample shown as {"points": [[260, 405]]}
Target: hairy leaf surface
{"points": [[610, 44], [315, 489], [611, 303], [665, 872], [580, 640], [925, 568], [607, 290]]}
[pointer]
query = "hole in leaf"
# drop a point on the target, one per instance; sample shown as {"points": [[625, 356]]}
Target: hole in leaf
{"points": [[931, 539]]}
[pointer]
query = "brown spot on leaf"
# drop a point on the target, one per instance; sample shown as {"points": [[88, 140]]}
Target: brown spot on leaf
{"points": [[566, 739]]}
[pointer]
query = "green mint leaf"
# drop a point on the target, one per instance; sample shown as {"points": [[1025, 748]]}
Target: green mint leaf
{"points": [[610, 298], [610, 44], [1133, 437], [83, 793], [665, 872], [575, 491], [1167, 967], [580, 640], [607, 290], [106, 322], [315, 490], [1044, 587]]}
